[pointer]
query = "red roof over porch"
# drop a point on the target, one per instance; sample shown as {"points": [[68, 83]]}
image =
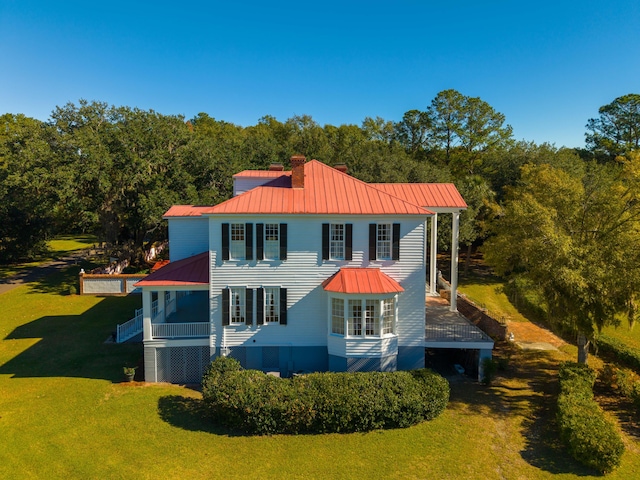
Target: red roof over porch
{"points": [[187, 271]]}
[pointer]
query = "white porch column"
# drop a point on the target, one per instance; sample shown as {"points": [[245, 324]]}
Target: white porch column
{"points": [[146, 315], [161, 308], [455, 228], [433, 264], [172, 298]]}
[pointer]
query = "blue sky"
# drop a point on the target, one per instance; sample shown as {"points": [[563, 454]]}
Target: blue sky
{"points": [[546, 65]]}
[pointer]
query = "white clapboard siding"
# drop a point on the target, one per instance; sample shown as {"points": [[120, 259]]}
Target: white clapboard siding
{"points": [[188, 236], [304, 271]]}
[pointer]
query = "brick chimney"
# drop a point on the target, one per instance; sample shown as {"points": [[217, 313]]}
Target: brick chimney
{"points": [[341, 167], [297, 171], [276, 167]]}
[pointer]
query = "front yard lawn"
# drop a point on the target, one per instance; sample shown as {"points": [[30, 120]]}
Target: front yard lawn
{"points": [[65, 414]]}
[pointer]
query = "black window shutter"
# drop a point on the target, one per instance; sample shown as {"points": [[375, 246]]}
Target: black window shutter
{"points": [[325, 241], [283, 241], [259, 241], [248, 308], [395, 248], [226, 293], [260, 306], [248, 241], [348, 241], [283, 306], [225, 241], [373, 233]]}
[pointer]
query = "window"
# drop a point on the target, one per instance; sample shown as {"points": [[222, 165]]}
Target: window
{"points": [[372, 318], [364, 317], [238, 304], [383, 243], [237, 241], [271, 305], [337, 316], [336, 241], [354, 322], [272, 241], [388, 315]]}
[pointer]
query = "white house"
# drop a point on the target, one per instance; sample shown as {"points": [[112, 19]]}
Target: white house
{"points": [[302, 270]]}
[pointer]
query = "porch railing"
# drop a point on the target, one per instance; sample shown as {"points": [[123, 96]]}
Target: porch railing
{"points": [[134, 326], [129, 329], [455, 333], [180, 330]]}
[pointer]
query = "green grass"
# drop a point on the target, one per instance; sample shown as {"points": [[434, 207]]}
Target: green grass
{"points": [[57, 248], [66, 243], [488, 292], [629, 335], [65, 414]]}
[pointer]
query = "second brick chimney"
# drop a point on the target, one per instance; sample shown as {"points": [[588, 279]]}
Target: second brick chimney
{"points": [[297, 171]]}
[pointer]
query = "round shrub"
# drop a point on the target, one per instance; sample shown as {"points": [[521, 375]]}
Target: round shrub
{"points": [[321, 402]]}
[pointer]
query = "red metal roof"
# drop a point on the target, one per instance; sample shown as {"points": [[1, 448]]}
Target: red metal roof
{"points": [[188, 271], [158, 265], [263, 173], [186, 211], [429, 195], [326, 191], [361, 281]]}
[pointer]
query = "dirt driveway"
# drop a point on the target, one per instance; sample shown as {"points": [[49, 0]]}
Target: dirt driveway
{"points": [[530, 335]]}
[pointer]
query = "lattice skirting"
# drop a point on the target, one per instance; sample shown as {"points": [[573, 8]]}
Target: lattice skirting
{"points": [[182, 364]]}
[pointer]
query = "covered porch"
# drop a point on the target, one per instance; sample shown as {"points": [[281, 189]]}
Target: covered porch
{"points": [[175, 302], [447, 330]]}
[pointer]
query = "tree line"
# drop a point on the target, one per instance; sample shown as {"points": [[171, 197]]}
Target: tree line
{"points": [[565, 220]]}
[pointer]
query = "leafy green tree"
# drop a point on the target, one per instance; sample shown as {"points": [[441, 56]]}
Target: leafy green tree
{"points": [[501, 166], [27, 187], [119, 168], [617, 129], [464, 129], [577, 238], [413, 131]]}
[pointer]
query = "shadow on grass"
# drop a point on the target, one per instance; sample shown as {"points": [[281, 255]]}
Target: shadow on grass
{"points": [[190, 414], [73, 345], [527, 389], [59, 277]]}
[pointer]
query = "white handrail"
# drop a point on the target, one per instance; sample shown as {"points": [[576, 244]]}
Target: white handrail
{"points": [[180, 330], [129, 329]]}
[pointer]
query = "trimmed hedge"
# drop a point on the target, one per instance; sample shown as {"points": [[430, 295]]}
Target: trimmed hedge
{"points": [[321, 402], [590, 437], [619, 350]]}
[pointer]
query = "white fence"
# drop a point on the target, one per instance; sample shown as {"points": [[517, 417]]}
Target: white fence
{"points": [[180, 330], [95, 284]]}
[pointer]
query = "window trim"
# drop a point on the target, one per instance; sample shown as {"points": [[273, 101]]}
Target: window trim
{"points": [[242, 305], [386, 244], [364, 301], [374, 244], [238, 245], [272, 245], [275, 307], [329, 244]]}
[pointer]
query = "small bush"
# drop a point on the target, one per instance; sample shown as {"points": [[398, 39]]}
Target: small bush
{"points": [[620, 351], [590, 437], [489, 369], [321, 402]]}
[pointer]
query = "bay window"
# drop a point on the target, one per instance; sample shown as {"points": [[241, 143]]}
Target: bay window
{"points": [[362, 317]]}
